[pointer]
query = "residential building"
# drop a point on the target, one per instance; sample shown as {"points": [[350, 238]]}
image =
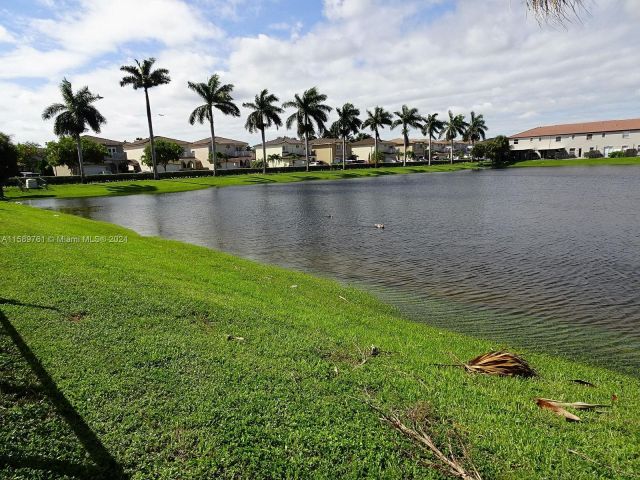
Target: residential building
{"points": [[231, 153], [364, 150], [576, 139], [116, 160], [290, 151], [187, 161], [419, 147], [329, 150]]}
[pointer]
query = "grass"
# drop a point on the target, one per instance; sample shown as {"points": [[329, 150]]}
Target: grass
{"points": [[187, 184], [579, 162], [115, 360]]}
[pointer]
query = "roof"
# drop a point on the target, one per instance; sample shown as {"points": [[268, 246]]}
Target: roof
{"points": [[366, 142], [325, 141], [578, 128], [281, 141], [103, 141], [144, 141], [206, 141]]}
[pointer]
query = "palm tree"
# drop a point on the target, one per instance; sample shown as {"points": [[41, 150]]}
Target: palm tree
{"points": [[265, 114], [215, 95], [347, 124], [141, 75], [452, 128], [558, 10], [408, 118], [476, 129], [310, 113], [74, 114], [430, 128], [376, 121]]}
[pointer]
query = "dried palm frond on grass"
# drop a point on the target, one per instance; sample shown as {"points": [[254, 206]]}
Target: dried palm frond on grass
{"points": [[447, 463], [558, 410], [504, 364]]}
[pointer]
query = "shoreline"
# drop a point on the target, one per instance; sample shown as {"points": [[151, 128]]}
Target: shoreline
{"points": [[167, 338]]}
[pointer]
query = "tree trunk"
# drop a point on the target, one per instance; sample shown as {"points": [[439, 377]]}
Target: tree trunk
{"points": [[306, 147], [153, 146], [214, 154], [429, 150], [406, 146], [1, 190], [79, 147], [264, 154], [375, 149], [344, 153], [451, 156]]}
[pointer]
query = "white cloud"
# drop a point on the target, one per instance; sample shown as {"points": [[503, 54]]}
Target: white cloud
{"points": [[5, 36]]}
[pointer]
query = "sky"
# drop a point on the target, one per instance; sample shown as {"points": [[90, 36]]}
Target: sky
{"points": [[492, 57]]}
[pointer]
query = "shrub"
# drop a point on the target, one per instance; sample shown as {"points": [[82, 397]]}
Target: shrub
{"points": [[593, 154], [631, 152], [619, 154]]}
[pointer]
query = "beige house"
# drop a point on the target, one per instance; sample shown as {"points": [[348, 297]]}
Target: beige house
{"points": [[329, 150], [116, 160], [290, 151], [364, 150], [420, 147], [187, 161], [234, 153], [576, 139]]}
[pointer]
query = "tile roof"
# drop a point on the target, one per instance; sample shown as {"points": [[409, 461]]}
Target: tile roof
{"points": [[578, 128], [144, 141], [206, 141], [281, 141], [103, 141]]}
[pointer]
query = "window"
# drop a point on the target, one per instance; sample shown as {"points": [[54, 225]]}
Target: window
{"points": [[604, 135], [531, 139], [589, 136], [558, 139], [591, 149], [572, 150], [573, 137], [625, 134], [539, 139], [515, 142]]}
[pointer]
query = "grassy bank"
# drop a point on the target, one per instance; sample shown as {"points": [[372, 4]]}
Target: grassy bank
{"points": [[187, 184], [579, 162], [124, 358]]}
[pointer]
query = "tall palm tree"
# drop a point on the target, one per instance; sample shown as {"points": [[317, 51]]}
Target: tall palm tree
{"points": [[310, 113], [558, 10], [452, 128], [431, 127], [408, 118], [74, 115], [476, 129], [215, 95], [142, 76], [264, 115], [347, 124], [376, 121]]}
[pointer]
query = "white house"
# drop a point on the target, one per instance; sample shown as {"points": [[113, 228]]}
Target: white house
{"points": [[290, 150], [576, 139], [187, 161], [233, 153]]}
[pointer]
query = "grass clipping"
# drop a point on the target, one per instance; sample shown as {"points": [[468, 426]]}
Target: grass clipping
{"points": [[504, 364]]}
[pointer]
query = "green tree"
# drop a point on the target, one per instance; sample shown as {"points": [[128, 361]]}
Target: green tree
{"points": [[376, 121], [29, 155], [431, 128], [8, 160], [264, 114], [166, 151], [407, 118], [63, 152], [361, 136], [452, 128], [73, 116], [142, 76], [274, 157], [476, 129], [215, 95], [347, 124], [497, 150], [310, 115]]}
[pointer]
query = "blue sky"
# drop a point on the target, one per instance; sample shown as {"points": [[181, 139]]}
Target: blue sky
{"points": [[437, 55]]}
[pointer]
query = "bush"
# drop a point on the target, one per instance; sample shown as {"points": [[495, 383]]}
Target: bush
{"points": [[619, 154], [631, 152], [593, 154]]}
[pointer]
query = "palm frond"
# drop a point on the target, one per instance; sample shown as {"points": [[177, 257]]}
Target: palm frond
{"points": [[500, 363]]}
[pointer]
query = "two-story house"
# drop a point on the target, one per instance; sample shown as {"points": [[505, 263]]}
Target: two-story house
{"points": [[364, 150], [231, 153], [290, 152], [187, 161]]}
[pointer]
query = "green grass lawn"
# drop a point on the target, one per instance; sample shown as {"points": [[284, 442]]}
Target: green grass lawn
{"points": [[579, 162], [185, 184], [115, 359]]}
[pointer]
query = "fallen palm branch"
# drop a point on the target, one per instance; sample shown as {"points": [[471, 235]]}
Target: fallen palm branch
{"points": [[577, 405], [557, 409], [448, 464], [504, 364]]}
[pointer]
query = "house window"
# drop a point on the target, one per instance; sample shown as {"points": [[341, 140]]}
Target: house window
{"points": [[604, 135], [589, 136], [625, 134], [591, 149], [515, 142], [558, 139], [573, 137], [531, 139]]}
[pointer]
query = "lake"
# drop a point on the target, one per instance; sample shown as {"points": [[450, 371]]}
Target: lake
{"points": [[547, 259]]}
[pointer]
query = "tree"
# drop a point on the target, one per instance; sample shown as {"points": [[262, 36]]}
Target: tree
{"points": [[215, 95], [310, 113], [142, 76], [264, 115], [407, 118], [376, 121], [361, 136], [28, 156], [347, 124], [166, 151], [431, 127], [555, 10], [452, 128], [73, 116], [8, 160], [476, 129], [63, 152], [498, 151], [274, 157]]}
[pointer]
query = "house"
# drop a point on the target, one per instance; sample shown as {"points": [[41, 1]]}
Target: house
{"points": [[364, 150], [231, 153], [187, 161], [328, 150], [577, 139], [116, 160], [419, 147], [290, 152]]}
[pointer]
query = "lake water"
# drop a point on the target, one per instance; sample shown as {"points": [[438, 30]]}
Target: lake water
{"points": [[547, 259]]}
